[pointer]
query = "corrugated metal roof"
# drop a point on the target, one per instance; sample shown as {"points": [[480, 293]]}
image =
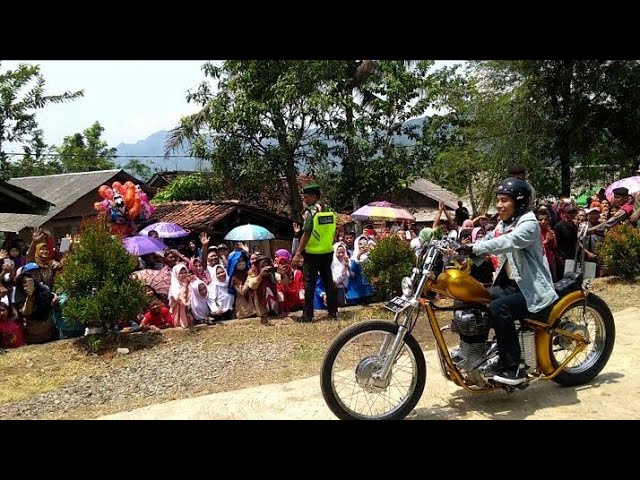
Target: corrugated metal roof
{"points": [[431, 190], [14, 199], [62, 190]]}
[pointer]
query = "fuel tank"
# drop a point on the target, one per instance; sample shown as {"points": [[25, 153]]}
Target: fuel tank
{"points": [[461, 286]]}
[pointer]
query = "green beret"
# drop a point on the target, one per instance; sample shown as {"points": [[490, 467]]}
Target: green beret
{"points": [[312, 189]]}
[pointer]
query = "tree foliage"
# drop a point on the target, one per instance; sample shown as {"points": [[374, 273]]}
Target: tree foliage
{"points": [[562, 119], [97, 279], [139, 169], [86, 151], [390, 260], [21, 96]]}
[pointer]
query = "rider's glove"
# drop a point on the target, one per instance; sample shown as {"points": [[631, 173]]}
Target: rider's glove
{"points": [[464, 250]]}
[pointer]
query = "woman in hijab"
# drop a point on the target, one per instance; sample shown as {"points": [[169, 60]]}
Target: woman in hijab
{"points": [[179, 298], [221, 301], [359, 290], [238, 272], [48, 266], [196, 269], [33, 301], [340, 271], [199, 301], [262, 279]]}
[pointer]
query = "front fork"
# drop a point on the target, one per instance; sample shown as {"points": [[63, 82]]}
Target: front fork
{"points": [[396, 343]]}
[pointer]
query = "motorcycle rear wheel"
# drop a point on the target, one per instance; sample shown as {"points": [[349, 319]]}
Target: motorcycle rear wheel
{"points": [[346, 378], [596, 321]]}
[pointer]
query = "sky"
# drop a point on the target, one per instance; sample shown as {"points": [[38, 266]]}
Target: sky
{"points": [[131, 99]]}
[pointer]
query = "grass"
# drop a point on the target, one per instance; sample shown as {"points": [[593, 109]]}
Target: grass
{"points": [[34, 369]]}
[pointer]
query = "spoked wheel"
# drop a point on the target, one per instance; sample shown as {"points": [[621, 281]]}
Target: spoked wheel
{"points": [[595, 323], [349, 380]]}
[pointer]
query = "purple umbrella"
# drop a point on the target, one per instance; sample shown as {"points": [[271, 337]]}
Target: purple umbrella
{"points": [[165, 230], [141, 245], [631, 183]]}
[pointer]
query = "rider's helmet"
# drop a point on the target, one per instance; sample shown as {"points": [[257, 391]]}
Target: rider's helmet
{"points": [[519, 190]]}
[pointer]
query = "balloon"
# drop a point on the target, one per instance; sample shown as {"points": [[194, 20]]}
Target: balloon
{"points": [[134, 211], [129, 184], [106, 204], [118, 187], [98, 206], [105, 192], [130, 195]]}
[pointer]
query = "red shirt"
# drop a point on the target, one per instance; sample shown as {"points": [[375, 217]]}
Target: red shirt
{"points": [[163, 318], [11, 335]]}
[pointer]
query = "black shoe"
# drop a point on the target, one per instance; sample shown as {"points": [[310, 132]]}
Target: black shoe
{"points": [[333, 317], [305, 320], [511, 376]]}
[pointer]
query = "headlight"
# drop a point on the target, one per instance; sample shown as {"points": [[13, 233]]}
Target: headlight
{"points": [[407, 287]]}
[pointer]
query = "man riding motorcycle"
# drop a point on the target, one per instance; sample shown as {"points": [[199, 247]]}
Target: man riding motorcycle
{"points": [[523, 284]]}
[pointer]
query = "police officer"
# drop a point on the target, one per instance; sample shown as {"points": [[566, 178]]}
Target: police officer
{"points": [[316, 245]]}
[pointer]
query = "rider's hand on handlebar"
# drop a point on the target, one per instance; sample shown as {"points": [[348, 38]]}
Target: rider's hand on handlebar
{"points": [[464, 249]]}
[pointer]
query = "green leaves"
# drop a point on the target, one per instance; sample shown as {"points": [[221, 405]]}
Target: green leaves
{"points": [[86, 151], [97, 279], [18, 119]]}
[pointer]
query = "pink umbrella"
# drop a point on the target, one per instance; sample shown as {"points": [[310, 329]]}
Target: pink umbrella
{"points": [[382, 210], [631, 183]]}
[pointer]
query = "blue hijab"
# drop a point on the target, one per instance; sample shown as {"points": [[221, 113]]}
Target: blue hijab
{"points": [[232, 261]]}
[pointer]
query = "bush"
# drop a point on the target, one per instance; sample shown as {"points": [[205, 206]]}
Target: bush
{"points": [[97, 279], [620, 252], [390, 260]]}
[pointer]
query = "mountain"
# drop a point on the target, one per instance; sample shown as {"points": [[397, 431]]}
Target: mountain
{"points": [[153, 146]]}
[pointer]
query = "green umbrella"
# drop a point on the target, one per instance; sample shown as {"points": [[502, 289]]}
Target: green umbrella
{"points": [[583, 199]]}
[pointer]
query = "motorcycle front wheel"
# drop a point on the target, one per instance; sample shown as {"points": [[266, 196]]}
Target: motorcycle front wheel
{"points": [[348, 381]]}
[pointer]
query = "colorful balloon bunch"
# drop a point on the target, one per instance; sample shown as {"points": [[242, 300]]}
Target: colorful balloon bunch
{"points": [[124, 204]]}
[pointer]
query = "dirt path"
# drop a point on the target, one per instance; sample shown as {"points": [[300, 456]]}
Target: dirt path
{"points": [[612, 395]]}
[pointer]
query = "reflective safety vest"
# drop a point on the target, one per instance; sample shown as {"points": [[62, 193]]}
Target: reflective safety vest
{"points": [[324, 230]]}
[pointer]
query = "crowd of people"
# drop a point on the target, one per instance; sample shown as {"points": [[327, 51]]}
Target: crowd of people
{"points": [[197, 281]]}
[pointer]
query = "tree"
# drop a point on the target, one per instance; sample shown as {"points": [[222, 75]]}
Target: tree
{"points": [[86, 151], [573, 109], [21, 95], [374, 100], [97, 279], [36, 160], [141, 170], [199, 186], [262, 122]]}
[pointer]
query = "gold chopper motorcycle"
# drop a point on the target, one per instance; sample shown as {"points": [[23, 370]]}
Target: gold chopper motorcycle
{"points": [[376, 369]]}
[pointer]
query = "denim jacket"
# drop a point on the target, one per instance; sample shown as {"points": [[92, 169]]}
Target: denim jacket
{"points": [[521, 244]]}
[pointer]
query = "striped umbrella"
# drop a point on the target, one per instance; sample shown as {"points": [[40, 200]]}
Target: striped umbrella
{"points": [[382, 210]]}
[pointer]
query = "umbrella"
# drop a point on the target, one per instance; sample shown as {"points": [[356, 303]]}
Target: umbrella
{"points": [[382, 211], [249, 232], [141, 245], [632, 183], [165, 230]]}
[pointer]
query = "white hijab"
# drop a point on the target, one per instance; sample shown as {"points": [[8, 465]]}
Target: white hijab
{"points": [[199, 304], [175, 288], [219, 291], [356, 249], [340, 277]]}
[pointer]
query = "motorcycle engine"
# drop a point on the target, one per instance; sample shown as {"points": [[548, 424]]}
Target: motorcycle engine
{"points": [[473, 327]]}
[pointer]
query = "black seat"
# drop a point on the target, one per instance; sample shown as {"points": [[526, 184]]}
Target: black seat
{"points": [[571, 282]]}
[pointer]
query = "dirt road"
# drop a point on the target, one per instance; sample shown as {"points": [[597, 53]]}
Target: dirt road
{"points": [[611, 395]]}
